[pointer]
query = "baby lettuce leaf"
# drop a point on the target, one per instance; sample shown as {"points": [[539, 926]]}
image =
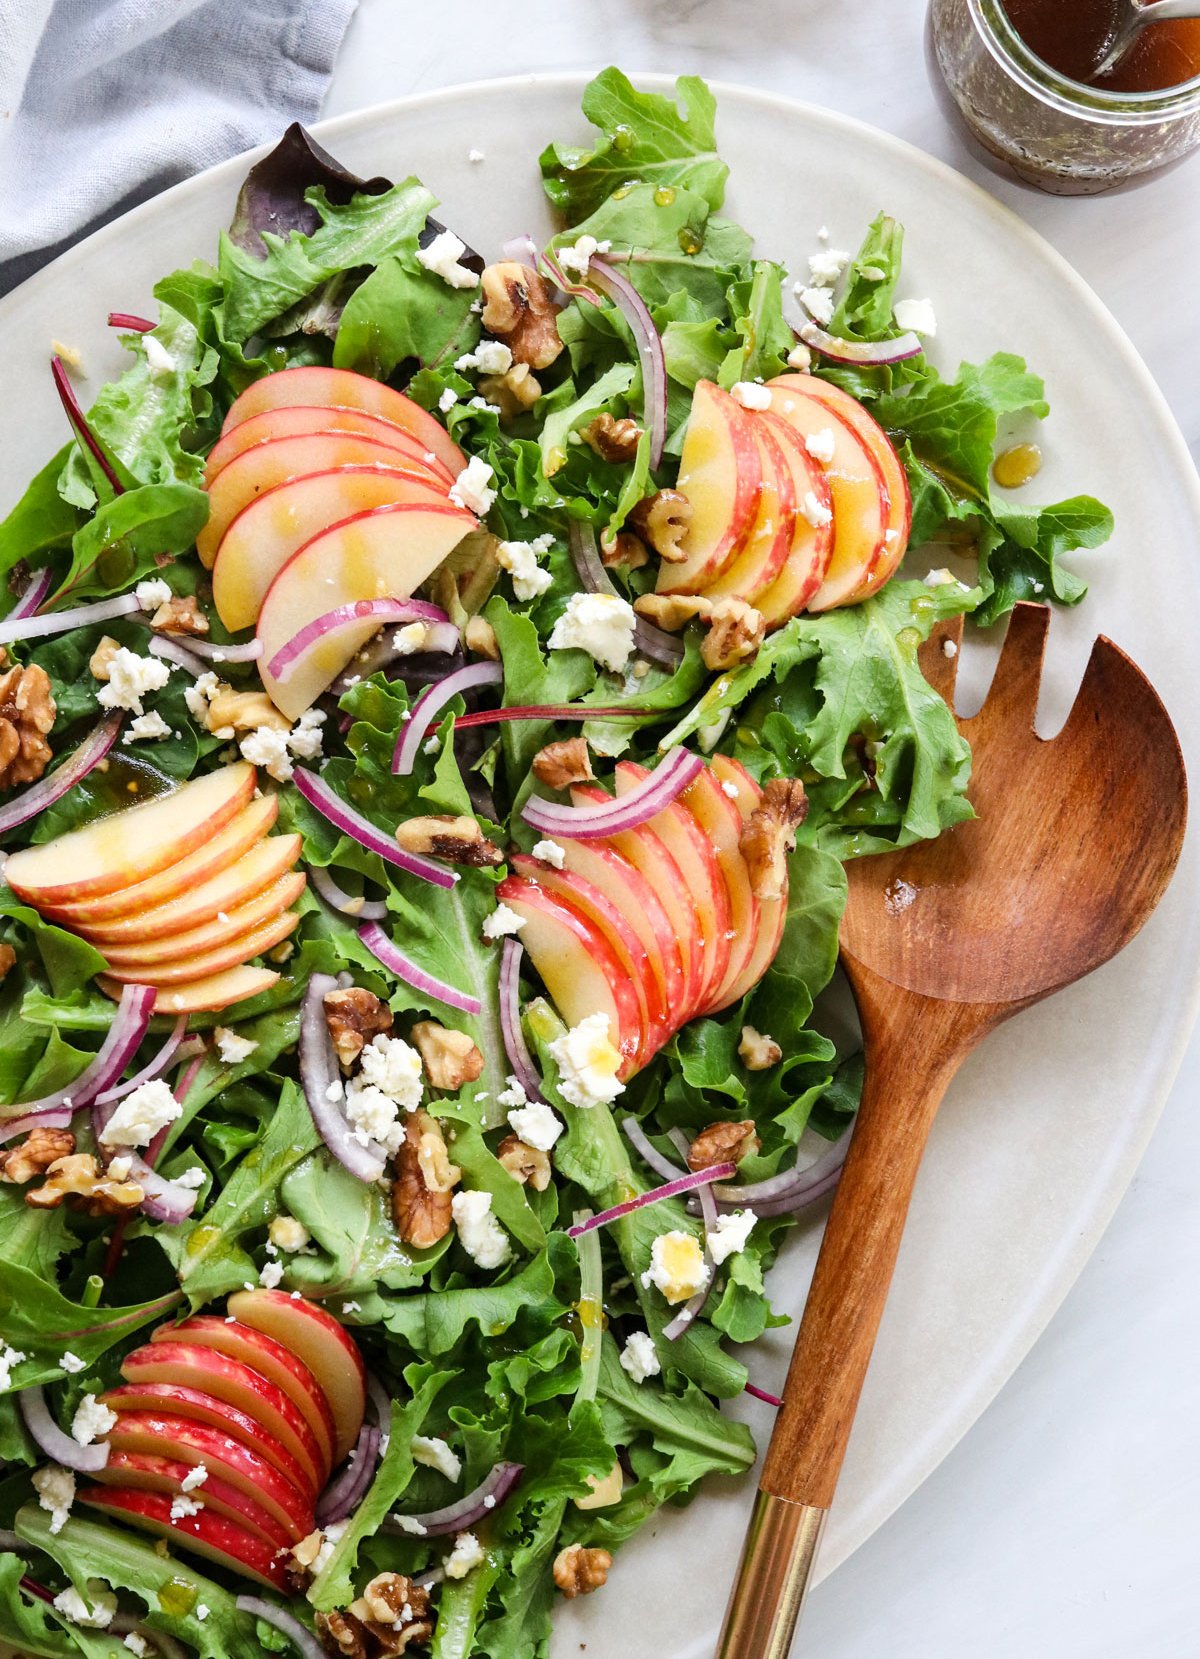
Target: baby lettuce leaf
{"points": [[671, 245], [125, 538], [756, 307], [864, 311], [404, 315], [41, 522], [42, 1323], [274, 197]]}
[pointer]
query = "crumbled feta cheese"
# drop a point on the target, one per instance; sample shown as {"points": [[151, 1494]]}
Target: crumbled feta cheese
{"points": [[137, 1644], [818, 302], [728, 787], [800, 357], [232, 1048], [501, 921], [442, 258], [200, 694], [8, 1358], [336, 1090], [92, 1420], [183, 1508], [55, 1488], [949, 648], [823, 234], [265, 746], [202, 1611], [536, 1124], [72, 1605], [447, 400], [130, 677], [152, 593], [550, 853], [467, 1554], [822, 445], [489, 357], [286, 1233], [730, 1235], [410, 639], [579, 256], [194, 1177], [434, 1453], [816, 512], [410, 1524], [271, 1275], [194, 1478], [940, 578], [146, 726], [158, 359], [118, 1168], [514, 1095], [479, 1233], [587, 1063], [639, 1357], [304, 739], [520, 559], [751, 395], [332, 1536], [826, 267], [140, 1116], [354, 1307], [602, 624], [472, 488], [677, 1267], [917, 315], [393, 1066], [373, 1116], [475, 157]]}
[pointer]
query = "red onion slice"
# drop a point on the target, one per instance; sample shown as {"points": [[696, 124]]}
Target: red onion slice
{"points": [[656, 643], [792, 1190], [77, 418], [649, 1153], [560, 279], [366, 910], [248, 651], [394, 959], [303, 1640], [467, 1510], [62, 622], [865, 353], [378, 1397], [33, 596], [519, 1058], [761, 1394], [172, 651], [689, 1312], [152, 1069], [130, 323], [623, 812], [348, 616], [345, 1491], [648, 342], [522, 249], [53, 1118], [430, 704], [57, 1445], [673, 1189], [162, 1200], [125, 1034], [319, 1071], [319, 795], [73, 770]]}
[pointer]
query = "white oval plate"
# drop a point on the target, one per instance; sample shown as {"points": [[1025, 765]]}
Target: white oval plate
{"points": [[1044, 1128]]}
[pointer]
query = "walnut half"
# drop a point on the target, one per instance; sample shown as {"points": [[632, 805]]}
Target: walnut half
{"points": [[723, 1143], [757, 1051], [353, 1017], [579, 1571], [561, 764], [35, 1154], [179, 615], [422, 1214], [455, 840], [612, 439], [770, 834], [27, 712], [735, 632], [662, 520], [518, 310], [524, 1163], [393, 1613], [78, 1177], [450, 1058]]}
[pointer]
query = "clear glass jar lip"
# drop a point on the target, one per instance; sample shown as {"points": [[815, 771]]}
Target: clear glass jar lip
{"points": [[1071, 97]]}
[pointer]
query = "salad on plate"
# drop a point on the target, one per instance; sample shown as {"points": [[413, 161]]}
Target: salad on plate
{"points": [[440, 693]]}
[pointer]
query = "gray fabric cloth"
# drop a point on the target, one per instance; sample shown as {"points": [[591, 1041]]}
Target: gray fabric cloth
{"points": [[106, 102]]}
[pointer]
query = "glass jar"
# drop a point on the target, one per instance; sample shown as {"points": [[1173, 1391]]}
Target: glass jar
{"points": [[1053, 132]]}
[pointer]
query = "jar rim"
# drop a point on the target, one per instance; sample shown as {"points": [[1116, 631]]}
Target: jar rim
{"points": [[1042, 81]]}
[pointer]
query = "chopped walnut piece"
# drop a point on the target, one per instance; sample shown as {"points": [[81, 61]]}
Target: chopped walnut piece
{"points": [[524, 1163], [391, 1640], [758, 1052], [43, 1147], [26, 714], [770, 834], [78, 1176], [454, 840], [512, 392], [8, 960], [673, 611], [624, 551], [179, 616], [735, 632], [613, 440], [661, 520], [579, 1571], [393, 1606], [342, 1635], [480, 638], [230, 712], [354, 1017], [422, 1216], [723, 1143], [450, 1057], [518, 310], [561, 764], [102, 656], [307, 1550], [433, 1156]]}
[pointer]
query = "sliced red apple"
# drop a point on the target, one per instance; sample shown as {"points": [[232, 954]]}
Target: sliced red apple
{"points": [[257, 869], [772, 913], [207, 1534], [720, 473], [262, 1353], [385, 554], [203, 996], [807, 562], [224, 930], [343, 389], [298, 419], [264, 535], [721, 822], [130, 845], [764, 549], [210, 963], [166, 1434], [316, 1338], [138, 1472], [581, 970], [218, 853]]}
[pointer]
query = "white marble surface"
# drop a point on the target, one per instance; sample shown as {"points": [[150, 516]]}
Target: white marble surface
{"points": [[1063, 1527]]}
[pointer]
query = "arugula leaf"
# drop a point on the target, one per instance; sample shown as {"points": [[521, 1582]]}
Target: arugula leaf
{"points": [[864, 311], [674, 245], [756, 307], [401, 316]]}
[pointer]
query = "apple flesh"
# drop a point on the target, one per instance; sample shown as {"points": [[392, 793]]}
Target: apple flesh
{"points": [[807, 562], [138, 1472], [203, 996], [298, 419], [234, 953], [229, 928], [721, 822], [763, 551], [212, 1536], [386, 554], [720, 473], [321, 1344], [343, 389], [772, 913]]}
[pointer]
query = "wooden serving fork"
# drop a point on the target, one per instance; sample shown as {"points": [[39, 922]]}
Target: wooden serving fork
{"points": [[1073, 845]]}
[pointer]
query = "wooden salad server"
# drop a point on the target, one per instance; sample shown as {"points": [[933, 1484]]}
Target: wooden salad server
{"points": [[1073, 845]]}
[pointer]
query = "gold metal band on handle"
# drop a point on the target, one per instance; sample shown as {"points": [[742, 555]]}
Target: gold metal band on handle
{"points": [[772, 1582]]}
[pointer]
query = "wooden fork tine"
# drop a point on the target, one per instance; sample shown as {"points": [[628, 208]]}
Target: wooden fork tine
{"points": [[1013, 694], [939, 666]]}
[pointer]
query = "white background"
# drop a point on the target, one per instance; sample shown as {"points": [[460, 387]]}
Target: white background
{"points": [[1064, 1526]]}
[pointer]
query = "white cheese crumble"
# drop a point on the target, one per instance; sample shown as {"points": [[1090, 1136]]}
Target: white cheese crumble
{"points": [[818, 302], [514, 1095], [728, 787], [587, 1063], [949, 648], [447, 400], [200, 694], [8, 1358], [826, 267], [268, 748], [55, 1488], [489, 357], [472, 489], [410, 1524], [140, 1116], [130, 677], [434, 1453], [731, 1235], [119, 1168], [602, 624], [195, 1477], [816, 512], [232, 1048], [751, 395], [332, 1536], [442, 258], [639, 1357], [305, 737], [271, 1275], [152, 593], [466, 1555], [183, 1508], [940, 578], [536, 1124], [501, 921], [394, 1067], [194, 1177], [92, 1420], [800, 357], [917, 315], [579, 255], [550, 853], [475, 157], [146, 726], [373, 1117], [202, 1611], [821, 445], [137, 1644], [286, 1233], [410, 639], [72, 1606], [677, 1267], [520, 559], [158, 359], [479, 1233]]}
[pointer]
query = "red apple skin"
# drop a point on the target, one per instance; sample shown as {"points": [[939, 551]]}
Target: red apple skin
{"points": [[141, 1473], [721, 822], [299, 419], [206, 1534], [720, 473], [203, 996], [764, 549], [263, 1354], [808, 560], [772, 913], [162, 1434], [320, 1343]]}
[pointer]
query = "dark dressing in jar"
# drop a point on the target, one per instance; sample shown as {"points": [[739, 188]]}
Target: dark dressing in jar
{"points": [[1073, 37]]}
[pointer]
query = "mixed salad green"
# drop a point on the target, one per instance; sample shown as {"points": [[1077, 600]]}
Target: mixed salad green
{"points": [[508, 1363]]}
